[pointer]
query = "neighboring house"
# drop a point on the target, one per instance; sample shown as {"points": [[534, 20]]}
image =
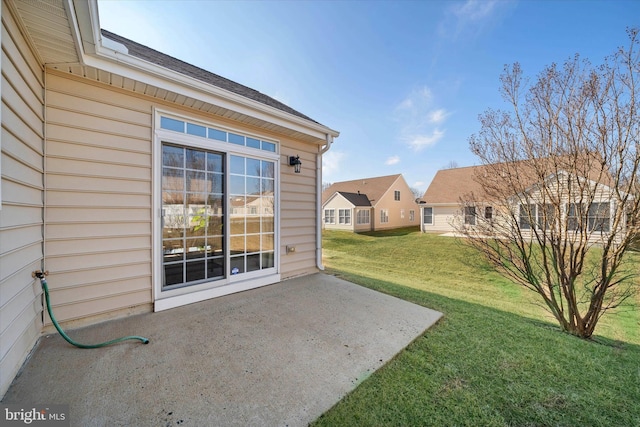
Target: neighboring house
{"points": [[441, 205], [348, 211], [140, 182], [367, 204]]}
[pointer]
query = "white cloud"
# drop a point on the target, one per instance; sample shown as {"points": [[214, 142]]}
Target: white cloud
{"points": [[438, 116], [418, 184], [418, 117], [474, 10], [469, 19], [392, 160], [419, 142], [407, 104], [416, 99], [331, 163]]}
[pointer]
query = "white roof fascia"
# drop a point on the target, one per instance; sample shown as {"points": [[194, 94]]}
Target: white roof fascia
{"points": [[115, 61], [333, 196]]}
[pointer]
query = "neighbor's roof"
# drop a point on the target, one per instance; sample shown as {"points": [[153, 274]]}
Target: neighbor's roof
{"points": [[158, 58], [356, 199], [450, 185], [374, 188]]}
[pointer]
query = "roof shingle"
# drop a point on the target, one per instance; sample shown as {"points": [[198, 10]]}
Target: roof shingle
{"points": [[158, 58], [374, 188], [356, 199]]}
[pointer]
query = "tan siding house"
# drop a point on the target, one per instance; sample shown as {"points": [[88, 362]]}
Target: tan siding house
{"points": [[441, 207], [391, 204], [138, 181]]}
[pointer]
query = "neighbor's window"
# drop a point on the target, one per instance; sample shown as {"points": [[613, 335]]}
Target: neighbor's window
{"points": [[574, 216], [488, 213], [598, 217], [546, 216], [362, 216], [396, 195], [412, 215], [384, 216], [527, 214], [470, 215], [344, 216], [427, 216], [329, 216], [401, 213]]}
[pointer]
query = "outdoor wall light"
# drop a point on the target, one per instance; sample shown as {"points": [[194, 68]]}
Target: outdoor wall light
{"points": [[296, 163]]}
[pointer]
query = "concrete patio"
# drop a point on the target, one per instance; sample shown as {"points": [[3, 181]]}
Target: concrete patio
{"points": [[280, 355]]}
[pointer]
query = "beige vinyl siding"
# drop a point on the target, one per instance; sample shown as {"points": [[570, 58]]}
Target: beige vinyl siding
{"points": [[336, 203], [298, 210], [98, 216], [99, 199], [21, 211], [443, 217], [394, 207]]}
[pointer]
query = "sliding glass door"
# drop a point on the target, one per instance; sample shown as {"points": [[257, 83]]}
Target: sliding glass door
{"points": [[218, 215]]}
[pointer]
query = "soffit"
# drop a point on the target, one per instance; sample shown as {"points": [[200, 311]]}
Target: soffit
{"points": [[47, 25]]}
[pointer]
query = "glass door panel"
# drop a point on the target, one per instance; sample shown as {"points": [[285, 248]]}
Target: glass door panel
{"points": [[193, 216]]}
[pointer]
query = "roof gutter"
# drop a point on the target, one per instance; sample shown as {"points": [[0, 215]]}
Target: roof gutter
{"points": [[324, 149]]}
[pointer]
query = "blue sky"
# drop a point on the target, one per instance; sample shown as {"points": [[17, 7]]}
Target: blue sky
{"points": [[403, 81]]}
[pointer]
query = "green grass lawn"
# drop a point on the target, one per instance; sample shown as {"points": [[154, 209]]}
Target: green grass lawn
{"points": [[495, 359]]}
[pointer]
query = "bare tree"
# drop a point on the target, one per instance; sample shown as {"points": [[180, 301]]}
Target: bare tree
{"points": [[326, 185], [557, 203], [451, 165], [417, 193]]}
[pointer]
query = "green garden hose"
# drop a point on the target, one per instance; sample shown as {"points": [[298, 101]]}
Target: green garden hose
{"points": [[45, 288]]}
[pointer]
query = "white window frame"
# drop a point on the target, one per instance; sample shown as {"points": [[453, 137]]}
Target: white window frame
{"points": [[424, 210], [396, 195], [384, 216], [488, 213], [166, 299], [470, 214], [331, 216], [361, 215], [344, 216], [412, 215], [526, 211]]}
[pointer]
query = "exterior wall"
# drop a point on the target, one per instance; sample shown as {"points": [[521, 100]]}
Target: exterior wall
{"points": [[98, 200], [362, 227], [338, 202], [298, 208], [21, 210], [443, 217], [394, 207], [99, 225]]}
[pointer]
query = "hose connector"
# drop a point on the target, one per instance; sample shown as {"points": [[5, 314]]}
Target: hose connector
{"points": [[39, 274]]}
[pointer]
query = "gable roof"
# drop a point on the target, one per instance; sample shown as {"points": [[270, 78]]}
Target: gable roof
{"points": [[450, 185], [374, 187], [356, 199], [158, 58]]}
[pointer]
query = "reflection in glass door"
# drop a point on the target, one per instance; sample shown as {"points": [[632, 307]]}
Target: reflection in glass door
{"points": [[192, 216], [251, 209]]}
